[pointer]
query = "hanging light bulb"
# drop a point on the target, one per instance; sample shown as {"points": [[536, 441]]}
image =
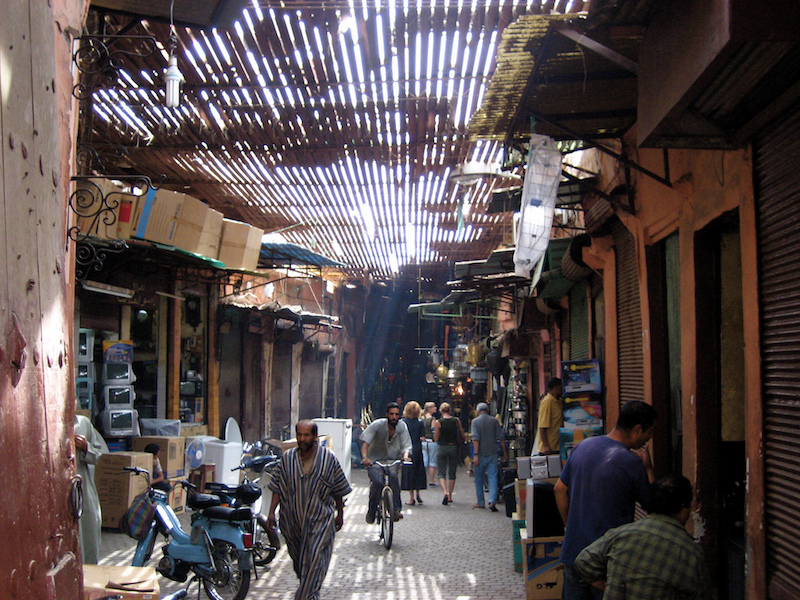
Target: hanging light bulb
{"points": [[173, 76]]}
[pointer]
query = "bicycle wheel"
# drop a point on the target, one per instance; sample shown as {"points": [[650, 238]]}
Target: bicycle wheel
{"points": [[387, 517], [229, 582], [265, 542]]}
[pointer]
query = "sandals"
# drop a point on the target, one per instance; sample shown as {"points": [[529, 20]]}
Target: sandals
{"points": [[478, 506], [410, 503], [445, 500], [419, 500]]}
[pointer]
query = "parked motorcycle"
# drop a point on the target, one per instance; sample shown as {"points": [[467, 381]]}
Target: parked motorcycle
{"points": [[256, 494], [218, 550]]}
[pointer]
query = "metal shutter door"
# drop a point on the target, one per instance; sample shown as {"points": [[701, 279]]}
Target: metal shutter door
{"points": [[578, 323], [629, 316], [777, 153]]}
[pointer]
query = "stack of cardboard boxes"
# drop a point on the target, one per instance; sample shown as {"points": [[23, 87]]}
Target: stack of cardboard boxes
{"points": [[169, 218], [172, 459], [116, 487]]}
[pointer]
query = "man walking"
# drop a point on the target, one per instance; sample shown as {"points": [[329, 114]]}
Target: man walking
{"points": [[600, 486], [654, 557], [385, 440], [487, 435], [310, 486], [550, 419]]}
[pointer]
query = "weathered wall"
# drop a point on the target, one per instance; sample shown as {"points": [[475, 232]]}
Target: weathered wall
{"points": [[40, 551]]}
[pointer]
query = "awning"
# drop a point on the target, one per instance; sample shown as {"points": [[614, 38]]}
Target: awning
{"points": [[276, 255]]}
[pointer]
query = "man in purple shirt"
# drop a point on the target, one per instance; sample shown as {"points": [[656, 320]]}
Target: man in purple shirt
{"points": [[600, 485]]}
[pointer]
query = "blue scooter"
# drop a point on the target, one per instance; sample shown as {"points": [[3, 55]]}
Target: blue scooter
{"points": [[218, 550]]}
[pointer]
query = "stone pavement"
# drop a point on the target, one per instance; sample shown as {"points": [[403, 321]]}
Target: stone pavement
{"points": [[439, 553]]}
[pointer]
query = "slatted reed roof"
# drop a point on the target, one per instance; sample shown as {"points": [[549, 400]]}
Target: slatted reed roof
{"points": [[336, 123], [572, 90]]}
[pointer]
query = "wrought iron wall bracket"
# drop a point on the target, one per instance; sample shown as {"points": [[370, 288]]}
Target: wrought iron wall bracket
{"points": [[97, 207], [99, 60]]}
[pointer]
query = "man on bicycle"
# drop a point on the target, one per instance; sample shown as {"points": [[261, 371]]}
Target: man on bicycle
{"points": [[384, 440]]}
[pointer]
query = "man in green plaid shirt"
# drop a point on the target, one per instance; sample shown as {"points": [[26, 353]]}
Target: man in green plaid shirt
{"points": [[653, 558]]}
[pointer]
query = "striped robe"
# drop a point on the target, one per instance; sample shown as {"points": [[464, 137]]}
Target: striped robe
{"points": [[307, 514]]}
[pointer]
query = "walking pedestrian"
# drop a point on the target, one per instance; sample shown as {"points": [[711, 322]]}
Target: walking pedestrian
{"points": [[448, 434], [487, 438], [413, 477], [310, 486], [429, 447]]}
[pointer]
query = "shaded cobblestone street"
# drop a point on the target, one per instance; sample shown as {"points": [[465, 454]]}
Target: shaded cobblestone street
{"points": [[439, 553]]}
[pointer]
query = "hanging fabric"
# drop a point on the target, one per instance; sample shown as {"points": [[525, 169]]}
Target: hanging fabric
{"points": [[539, 191]]}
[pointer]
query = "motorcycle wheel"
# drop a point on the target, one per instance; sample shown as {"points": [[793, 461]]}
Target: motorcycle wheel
{"points": [[265, 542], [229, 582]]}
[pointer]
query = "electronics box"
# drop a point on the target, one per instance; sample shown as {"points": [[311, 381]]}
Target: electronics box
{"points": [[240, 245], [127, 583], [156, 217], [170, 455], [177, 496], [199, 228], [225, 456], [117, 488], [568, 438], [542, 570], [117, 351]]}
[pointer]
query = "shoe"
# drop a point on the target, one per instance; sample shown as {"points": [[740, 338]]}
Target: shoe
{"points": [[412, 503], [370, 517], [419, 500], [397, 516], [444, 500], [433, 485], [492, 508], [478, 506]]}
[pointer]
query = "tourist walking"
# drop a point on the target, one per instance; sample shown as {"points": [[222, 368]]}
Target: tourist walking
{"points": [[413, 478]]}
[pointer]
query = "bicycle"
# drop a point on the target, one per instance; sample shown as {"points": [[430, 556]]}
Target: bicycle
{"points": [[384, 515]]}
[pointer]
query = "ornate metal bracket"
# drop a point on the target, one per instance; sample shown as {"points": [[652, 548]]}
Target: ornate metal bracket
{"points": [[98, 158], [96, 203], [100, 61]]}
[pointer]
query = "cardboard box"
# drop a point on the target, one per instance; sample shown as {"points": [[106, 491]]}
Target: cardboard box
{"points": [[193, 429], [156, 217], [542, 571], [568, 438], [240, 245], [517, 529], [199, 228], [324, 440], [125, 215], [171, 453], [117, 488], [130, 583], [520, 497], [177, 497]]}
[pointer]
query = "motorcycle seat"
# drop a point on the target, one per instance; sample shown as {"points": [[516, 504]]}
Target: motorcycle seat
{"points": [[225, 513], [200, 501]]}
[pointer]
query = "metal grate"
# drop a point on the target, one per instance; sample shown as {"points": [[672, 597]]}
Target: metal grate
{"points": [[776, 157]]}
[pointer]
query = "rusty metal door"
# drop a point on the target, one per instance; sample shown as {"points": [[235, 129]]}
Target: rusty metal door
{"points": [[777, 153], [39, 552]]}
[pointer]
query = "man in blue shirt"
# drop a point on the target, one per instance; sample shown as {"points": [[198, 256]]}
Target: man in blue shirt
{"points": [[600, 485], [487, 438]]}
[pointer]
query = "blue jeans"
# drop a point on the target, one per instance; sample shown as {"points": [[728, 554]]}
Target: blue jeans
{"points": [[376, 485], [575, 589], [489, 465]]}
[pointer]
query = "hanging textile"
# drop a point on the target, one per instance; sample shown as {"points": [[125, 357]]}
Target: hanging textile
{"points": [[538, 203]]}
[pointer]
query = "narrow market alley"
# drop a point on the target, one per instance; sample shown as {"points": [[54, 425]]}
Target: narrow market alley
{"points": [[439, 552]]}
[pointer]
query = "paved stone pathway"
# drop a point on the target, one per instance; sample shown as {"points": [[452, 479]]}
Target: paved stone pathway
{"points": [[439, 553]]}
